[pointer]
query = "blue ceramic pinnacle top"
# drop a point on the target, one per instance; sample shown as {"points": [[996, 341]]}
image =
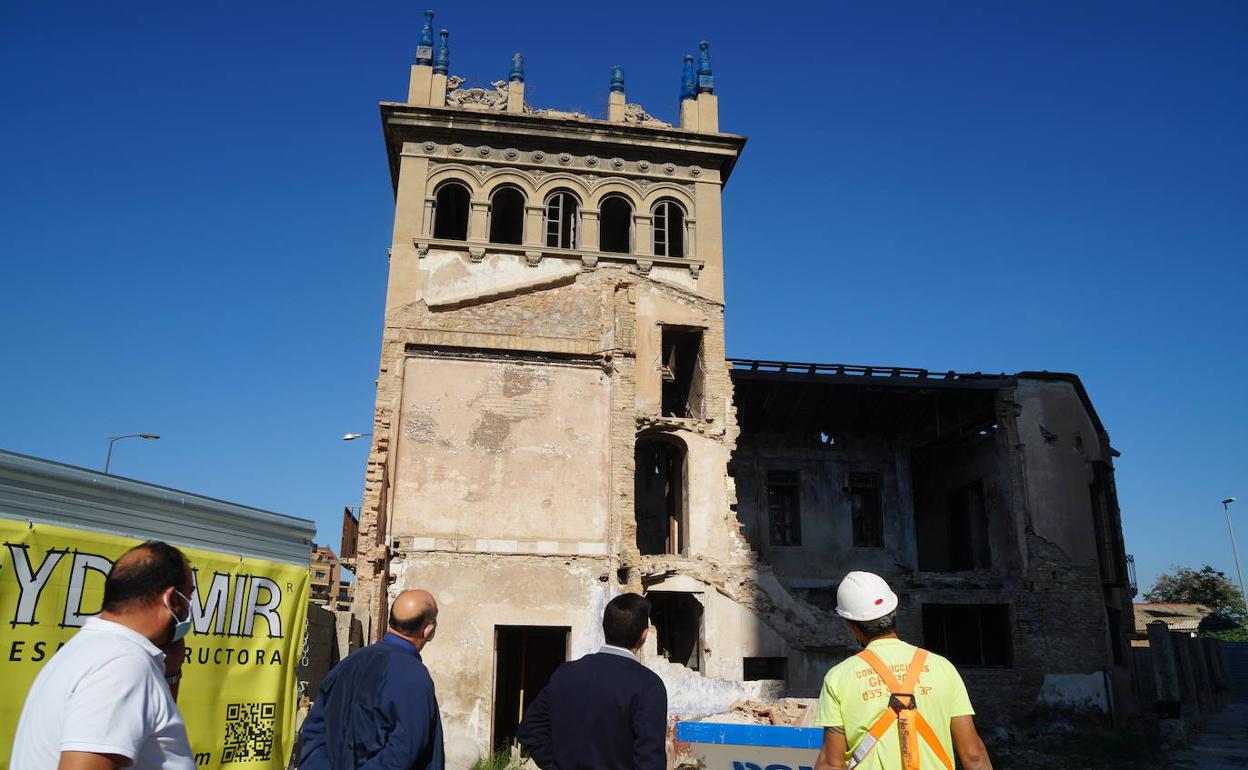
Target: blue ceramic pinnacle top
{"points": [[687, 83], [517, 68], [442, 59], [617, 80], [424, 49], [706, 81]]}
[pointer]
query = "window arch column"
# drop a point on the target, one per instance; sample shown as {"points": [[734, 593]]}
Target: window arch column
{"points": [[643, 235], [426, 227], [479, 221], [535, 225], [589, 229]]}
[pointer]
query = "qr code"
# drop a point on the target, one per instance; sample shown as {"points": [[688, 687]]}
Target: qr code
{"points": [[249, 732]]}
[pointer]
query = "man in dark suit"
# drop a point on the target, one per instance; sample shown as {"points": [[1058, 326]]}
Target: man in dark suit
{"points": [[605, 711], [377, 708]]}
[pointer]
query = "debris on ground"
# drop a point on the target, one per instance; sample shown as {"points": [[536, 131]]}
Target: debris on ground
{"points": [[786, 712]]}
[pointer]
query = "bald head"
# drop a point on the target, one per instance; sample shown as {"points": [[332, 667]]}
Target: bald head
{"points": [[143, 574], [413, 614]]}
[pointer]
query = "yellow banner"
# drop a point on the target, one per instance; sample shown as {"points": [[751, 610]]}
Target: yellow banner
{"points": [[238, 685]]}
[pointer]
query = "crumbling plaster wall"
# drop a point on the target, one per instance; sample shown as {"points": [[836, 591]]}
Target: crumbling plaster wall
{"points": [[477, 592], [1059, 440], [488, 449]]}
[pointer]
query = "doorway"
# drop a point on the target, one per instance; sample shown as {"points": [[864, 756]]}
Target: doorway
{"points": [[524, 659]]}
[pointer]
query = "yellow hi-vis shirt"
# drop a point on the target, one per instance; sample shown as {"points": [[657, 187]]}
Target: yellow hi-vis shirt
{"points": [[853, 697]]}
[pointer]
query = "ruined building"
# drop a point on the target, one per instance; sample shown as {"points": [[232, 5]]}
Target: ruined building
{"points": [[556, 422]]}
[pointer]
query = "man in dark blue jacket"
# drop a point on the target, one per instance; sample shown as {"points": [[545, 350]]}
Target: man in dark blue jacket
{"points": [[605, 711], [376, 710]]}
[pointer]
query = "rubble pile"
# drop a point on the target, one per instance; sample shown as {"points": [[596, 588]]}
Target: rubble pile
{"points": [[786, 712]]}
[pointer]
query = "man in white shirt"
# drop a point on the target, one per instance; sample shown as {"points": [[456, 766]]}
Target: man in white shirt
{"points": [[106, 700]]}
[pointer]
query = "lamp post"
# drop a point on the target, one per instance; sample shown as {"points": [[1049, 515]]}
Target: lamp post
{"points": [[354, 436], [1226, 506], [111, 439]]}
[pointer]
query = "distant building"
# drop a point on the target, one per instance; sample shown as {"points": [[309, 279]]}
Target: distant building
{"points": [[1178, 616], [327, 586]]}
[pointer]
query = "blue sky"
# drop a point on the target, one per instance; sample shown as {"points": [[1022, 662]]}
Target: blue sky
{"points": [[194, 224]]}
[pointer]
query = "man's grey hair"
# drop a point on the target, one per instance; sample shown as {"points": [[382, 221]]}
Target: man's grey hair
{"points": [[879, 626]]}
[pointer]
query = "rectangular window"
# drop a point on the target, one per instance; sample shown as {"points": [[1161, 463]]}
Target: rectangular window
{"points": [[867, 509], [764, 668], [969, 634], [683, 371], [784, 508]]}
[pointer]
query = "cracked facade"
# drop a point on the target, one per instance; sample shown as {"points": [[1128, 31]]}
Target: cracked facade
{"points": [[556, 422]]}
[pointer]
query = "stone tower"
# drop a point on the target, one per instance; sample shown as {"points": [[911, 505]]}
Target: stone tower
{"points": [[554, 413]]}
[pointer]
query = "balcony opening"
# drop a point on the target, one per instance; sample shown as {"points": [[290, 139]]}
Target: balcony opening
{"points": [[615, 225], [659, 494], [951, 525], [450, 212], [507, 216], [683, 369]]}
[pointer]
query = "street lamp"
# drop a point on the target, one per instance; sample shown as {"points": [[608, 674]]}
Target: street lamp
{"points": [[354, 436], [109, 455], [1226, 506]]}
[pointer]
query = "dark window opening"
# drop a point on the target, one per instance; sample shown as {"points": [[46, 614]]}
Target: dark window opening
{"points": [[683, 371], [524, 659], [867, 509], [968, 528], [561, 218], [507, 216], [969, 634], [659, 495], [450, 212], [951, 524], [669, 229], [784, 508], [615, 225], [677, 621], [764, 668]]}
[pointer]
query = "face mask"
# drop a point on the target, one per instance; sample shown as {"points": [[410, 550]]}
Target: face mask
{"points": [[181, 627]]}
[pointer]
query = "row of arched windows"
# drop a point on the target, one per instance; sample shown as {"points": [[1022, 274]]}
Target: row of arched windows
{"points": [[562, 219]]}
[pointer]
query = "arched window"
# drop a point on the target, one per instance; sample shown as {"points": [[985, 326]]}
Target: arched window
{"points": [[507, 216], [615, 224], [450, 212], [561, 217], [669, 229]]}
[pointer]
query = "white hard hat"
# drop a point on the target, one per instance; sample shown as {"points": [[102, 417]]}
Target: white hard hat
{"points": [[864, 596]]}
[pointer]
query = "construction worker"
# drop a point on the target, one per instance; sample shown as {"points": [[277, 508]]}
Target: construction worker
{"points": [[892, 706]]}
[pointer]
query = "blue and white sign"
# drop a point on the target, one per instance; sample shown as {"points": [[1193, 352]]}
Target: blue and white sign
{"points": [[751, 747]]}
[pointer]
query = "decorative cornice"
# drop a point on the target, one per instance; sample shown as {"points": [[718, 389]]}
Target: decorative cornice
{"points": [[538, 163]]}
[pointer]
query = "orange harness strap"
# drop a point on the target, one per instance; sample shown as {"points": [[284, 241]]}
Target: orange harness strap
{"points": [[903, 710]]}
